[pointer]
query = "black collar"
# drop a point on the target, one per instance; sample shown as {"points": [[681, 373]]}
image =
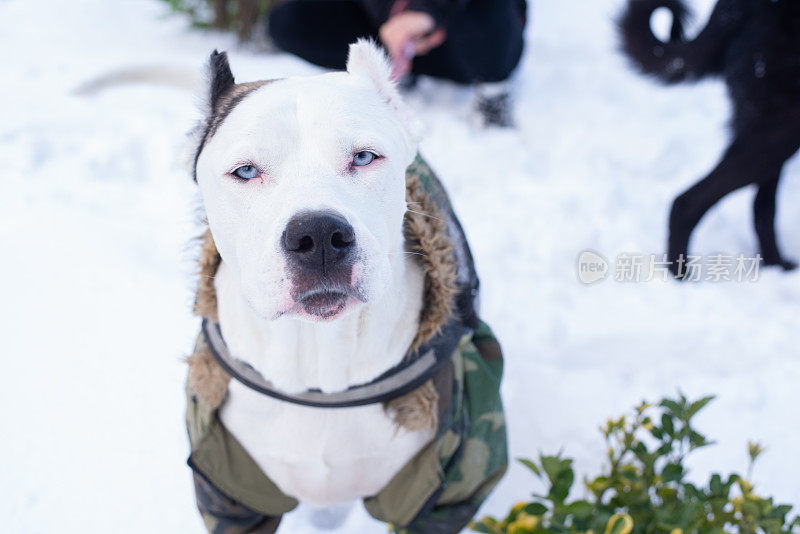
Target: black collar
{"points": [[414, 371]]}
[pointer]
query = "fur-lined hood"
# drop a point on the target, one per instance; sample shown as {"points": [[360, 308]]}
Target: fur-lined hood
{"points": [[428, 227]]}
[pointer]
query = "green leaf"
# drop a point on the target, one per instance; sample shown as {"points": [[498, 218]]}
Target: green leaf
{"points": [[639, 449], [657, 432], [535, 508], [667, 424], [783, 509], [530, 465], [561, 486], [698, 405], [672, 406], [715, 485], [487, 525], [697, 440], [692, 492], [689, 512], [672, 472], [580, 509], [771, 526], [665, 449], [553, 466]]}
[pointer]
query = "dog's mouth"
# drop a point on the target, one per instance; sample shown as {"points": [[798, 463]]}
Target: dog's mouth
{"points": [[326, 304]]}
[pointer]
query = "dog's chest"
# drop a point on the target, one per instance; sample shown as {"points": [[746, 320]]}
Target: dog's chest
{"points": [[320, 456]]}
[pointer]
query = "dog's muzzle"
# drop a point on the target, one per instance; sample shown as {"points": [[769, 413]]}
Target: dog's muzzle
{"points": [[320, 249]]}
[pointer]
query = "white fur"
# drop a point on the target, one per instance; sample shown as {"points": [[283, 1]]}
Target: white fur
{"points": [[369, 61], [303, 133], [366, 60]]}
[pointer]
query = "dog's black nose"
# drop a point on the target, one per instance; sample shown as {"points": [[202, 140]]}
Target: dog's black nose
{"points": [[318, 241]]}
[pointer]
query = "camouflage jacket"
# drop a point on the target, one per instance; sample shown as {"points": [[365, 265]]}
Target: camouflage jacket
{"points": [[438, 491]]}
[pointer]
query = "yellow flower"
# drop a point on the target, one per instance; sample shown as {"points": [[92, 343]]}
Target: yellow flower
{"points": [[518, 507], [523, 524]]}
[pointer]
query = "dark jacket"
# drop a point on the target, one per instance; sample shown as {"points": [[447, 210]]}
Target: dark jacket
{"points": [[440, 10]]}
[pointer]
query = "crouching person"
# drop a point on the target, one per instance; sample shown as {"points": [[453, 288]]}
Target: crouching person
{"points": [[476, 42]]}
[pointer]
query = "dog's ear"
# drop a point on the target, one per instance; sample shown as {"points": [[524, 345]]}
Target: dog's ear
{"points": [[368, 60], [220, 78]]}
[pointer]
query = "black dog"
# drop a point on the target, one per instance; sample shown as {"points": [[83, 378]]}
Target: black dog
{"points": [[755, 46]]}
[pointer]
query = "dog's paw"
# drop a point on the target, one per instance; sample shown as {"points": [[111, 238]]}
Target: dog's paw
{"points": [[332, 517], [786, 265], [676, 271], [677, 266]]}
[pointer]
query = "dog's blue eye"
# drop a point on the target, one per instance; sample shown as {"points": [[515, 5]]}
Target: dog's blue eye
{"points": [[363, 158], [246, 172]]}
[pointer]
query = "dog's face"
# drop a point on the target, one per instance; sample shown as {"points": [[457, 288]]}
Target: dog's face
{"points": [[303, 182]]}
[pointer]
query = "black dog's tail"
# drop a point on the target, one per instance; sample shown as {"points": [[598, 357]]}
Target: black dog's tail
{"points": [[677, 60]]}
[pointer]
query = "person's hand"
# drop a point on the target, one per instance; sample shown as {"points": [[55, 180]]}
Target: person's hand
{"points": [[413, 27]]}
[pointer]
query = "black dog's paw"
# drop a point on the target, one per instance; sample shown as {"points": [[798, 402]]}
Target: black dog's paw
{"points": [[678, 243], [677, 263], [786, 265], [678, 271]]}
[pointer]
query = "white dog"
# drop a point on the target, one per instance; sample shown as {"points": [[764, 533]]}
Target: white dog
{"points": [[304, 187]]}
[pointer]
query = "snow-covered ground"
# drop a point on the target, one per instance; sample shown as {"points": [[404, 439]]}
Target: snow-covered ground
{"points": [[96, 212]]}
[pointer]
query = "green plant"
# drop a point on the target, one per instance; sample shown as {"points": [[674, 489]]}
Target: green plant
{"points": [[235, 15], [643, 488]]}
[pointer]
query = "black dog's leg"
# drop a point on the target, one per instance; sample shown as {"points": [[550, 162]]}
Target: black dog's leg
{"points": [[764, 218], [689, 208], [755, 156]]}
